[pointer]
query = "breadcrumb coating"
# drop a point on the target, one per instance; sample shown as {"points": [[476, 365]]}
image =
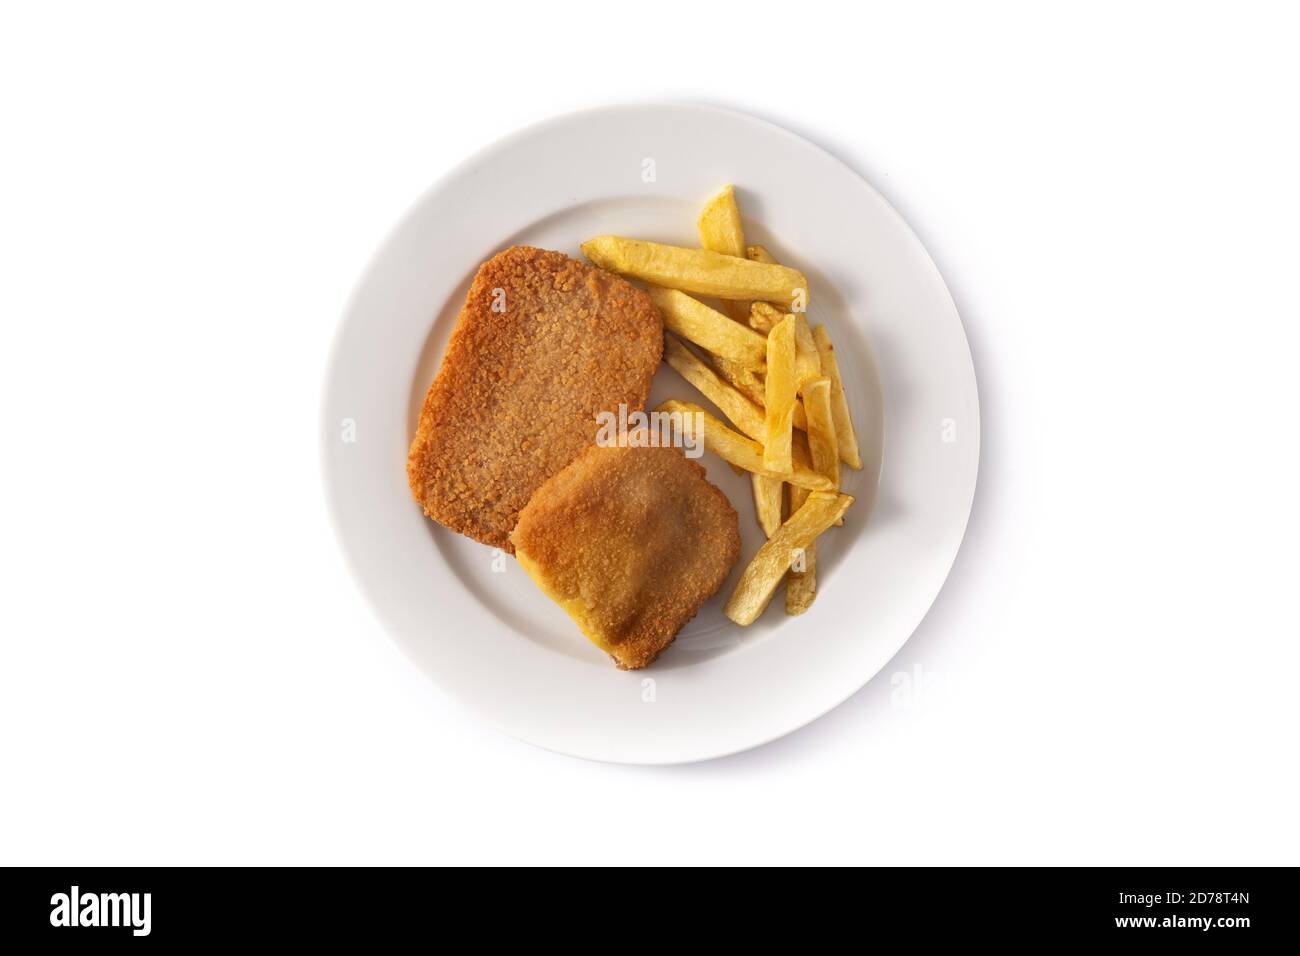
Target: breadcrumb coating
{"points": [[631, 542]]}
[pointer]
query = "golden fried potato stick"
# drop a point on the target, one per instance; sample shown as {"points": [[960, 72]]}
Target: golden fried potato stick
{"points": [[744, 414], [700, 271], [736, 448], [759, 580], [719, 224], [780, 394], [801, 586], [763, 317], [807, 362], [692, 319], [721, 231], [844, 436], [769, 496], [823, 445]]}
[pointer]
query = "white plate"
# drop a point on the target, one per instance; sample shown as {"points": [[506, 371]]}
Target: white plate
{"points": [[473, 620]]}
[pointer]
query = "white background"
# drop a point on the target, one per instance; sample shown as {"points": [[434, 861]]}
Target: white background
{"points": [[188, 675]]}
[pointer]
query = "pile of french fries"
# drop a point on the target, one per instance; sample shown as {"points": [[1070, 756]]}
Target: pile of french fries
{"points": [[769, 373]]}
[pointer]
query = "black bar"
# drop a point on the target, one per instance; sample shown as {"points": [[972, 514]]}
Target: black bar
{"points": [[1223, 907]]}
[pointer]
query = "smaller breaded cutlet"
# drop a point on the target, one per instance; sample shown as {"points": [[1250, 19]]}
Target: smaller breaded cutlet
{"points": [[630, 542]]}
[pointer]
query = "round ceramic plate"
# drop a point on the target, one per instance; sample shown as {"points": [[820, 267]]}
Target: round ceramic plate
{"points": [[472, 619]]}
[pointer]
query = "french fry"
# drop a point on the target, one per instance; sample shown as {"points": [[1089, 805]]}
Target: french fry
{"points": [[844, 436], [823, 445], [807, 363], [760, 578], [721, 231], [719, 224], [736, 448], [700, 271], [692, 319], [769, 495], [780, 394], [801, 584], [744, 414], [763, 317]]}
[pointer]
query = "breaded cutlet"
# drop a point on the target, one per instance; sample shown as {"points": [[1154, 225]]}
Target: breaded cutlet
{"points": [[630, 542], [543, 344]]}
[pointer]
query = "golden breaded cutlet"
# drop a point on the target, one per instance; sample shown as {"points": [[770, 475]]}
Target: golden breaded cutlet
{"points": [[630, 542], [543, 344]]}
